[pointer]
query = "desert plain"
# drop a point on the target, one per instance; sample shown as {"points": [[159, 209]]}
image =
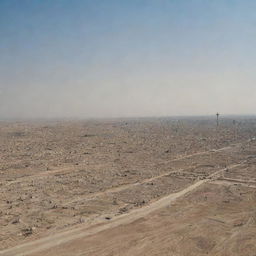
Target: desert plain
{"points": [[145, 186]]}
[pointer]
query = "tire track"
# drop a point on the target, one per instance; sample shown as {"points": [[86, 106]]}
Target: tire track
{"points": [[67, 169], [85, 230]]}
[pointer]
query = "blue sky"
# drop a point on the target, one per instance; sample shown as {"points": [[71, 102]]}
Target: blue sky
{"points": [[127, 58]]}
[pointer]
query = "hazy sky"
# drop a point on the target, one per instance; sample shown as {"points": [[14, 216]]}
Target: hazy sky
{"points": [[63, 58]]}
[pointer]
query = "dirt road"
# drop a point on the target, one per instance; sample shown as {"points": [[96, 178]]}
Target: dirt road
{"points": [[124, 191], [40, 245]]}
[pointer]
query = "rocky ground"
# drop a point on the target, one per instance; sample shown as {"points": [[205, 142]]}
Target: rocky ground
{"points": [[58, 176]]}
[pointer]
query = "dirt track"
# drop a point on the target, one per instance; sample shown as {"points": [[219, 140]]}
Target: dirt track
{"points": [[118, 199], [50, 242]]}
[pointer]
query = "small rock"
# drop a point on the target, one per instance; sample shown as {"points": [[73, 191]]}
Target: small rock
{"points": [[81, 220], [16, 221], [27, 231], [123, 210]]}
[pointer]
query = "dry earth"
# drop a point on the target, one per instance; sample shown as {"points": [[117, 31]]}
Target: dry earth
{"points": [[128, 187]]}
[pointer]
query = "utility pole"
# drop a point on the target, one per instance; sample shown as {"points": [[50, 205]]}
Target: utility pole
{"points": [[235, 129], [217, 120]]}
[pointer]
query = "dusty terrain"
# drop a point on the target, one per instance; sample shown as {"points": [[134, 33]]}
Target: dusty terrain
{"points": [[128, 187]]}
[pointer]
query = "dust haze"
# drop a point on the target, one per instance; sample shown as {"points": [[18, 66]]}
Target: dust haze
{"points": [[121, 59], [129, 96]]}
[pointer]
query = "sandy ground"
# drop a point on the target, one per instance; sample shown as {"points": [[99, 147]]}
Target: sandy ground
{"points": [[208, 221], [128, 187]]}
